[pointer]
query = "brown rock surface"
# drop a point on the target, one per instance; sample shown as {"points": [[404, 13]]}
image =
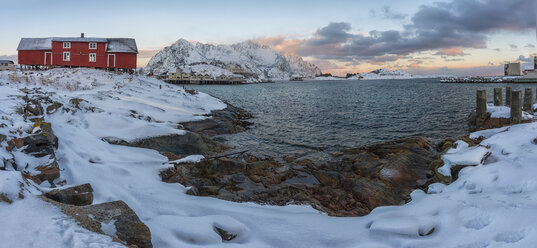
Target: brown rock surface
{"points": [[351, 184], [130, 230], [80, 195]]}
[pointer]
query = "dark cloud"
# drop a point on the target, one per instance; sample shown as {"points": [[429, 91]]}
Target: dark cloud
{"points": [[529, 45], [458, 24], [513, 46], [386, 13]]}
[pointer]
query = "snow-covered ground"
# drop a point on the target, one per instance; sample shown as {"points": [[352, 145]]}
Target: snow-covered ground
{"points": [[505, 112], [490, 205]]}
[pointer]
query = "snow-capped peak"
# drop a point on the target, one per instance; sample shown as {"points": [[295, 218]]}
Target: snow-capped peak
{"points": [[255, 62]]}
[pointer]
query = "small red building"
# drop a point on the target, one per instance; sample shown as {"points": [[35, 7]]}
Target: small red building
{"points": [[110, 53]]}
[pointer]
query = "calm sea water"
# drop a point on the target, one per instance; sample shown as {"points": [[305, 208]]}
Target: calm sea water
{"points": [[324, 116]]}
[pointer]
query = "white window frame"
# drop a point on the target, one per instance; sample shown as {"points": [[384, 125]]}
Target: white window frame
{"points": [[94, 45], [68, 57], [67, 45], [94, 55]]}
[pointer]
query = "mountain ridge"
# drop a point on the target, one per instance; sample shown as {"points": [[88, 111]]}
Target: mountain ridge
{"points": [[256, 62]]}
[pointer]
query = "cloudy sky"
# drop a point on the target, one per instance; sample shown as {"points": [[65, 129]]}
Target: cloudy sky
{"points": [[462, 37]]}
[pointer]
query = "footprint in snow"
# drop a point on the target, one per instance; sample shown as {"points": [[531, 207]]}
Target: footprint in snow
{"points": [[510, 237]]}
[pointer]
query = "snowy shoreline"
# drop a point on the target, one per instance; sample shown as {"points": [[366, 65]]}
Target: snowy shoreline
{"points": [[491, 204]]}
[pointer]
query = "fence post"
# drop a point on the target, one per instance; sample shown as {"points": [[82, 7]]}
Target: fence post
{"points": [[481, 104], [516, 107], [528, 100], [508, 90], [498, 101]]}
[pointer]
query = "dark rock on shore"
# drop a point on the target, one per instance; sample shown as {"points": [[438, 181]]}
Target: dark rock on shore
{"points": [[197, 138], [226, 121], [180, 145], [352, 184]]}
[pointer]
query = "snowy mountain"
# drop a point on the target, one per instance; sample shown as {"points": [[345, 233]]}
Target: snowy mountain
{"points": [[256, 62]]}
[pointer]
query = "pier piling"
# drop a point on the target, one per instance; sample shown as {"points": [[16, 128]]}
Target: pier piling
{"points": [[528, 100], [498, 101], [516, 107], [481, 103], [508, 90]]}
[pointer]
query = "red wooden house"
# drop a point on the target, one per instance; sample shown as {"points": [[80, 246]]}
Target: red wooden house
{"points": [[110, 53]]}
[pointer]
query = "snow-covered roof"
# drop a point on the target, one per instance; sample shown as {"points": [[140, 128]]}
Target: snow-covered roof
{"points": [[122, 45], [117, 45], [35, 44], [79, 39]]}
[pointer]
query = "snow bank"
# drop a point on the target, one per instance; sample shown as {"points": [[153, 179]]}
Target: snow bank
{"points": [[505, 112]]}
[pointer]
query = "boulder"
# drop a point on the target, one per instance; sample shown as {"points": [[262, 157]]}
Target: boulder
{"points": [[39, 144], [80, 195], [128, 227], [115, 219]]}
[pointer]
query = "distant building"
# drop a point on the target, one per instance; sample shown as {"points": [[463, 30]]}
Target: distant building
{"points": [[512, 69], [7, 65], [114, 53]]}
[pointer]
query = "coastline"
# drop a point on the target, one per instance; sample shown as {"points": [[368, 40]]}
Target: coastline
{"points": [[407, 191]]}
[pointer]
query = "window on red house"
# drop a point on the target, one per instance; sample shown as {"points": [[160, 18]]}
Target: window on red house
{"points": [[67, 45], [66, 56], [92, 57]]}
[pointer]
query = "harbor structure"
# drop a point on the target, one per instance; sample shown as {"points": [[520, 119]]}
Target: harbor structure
{"points": [[180, 77], [512, 69]]}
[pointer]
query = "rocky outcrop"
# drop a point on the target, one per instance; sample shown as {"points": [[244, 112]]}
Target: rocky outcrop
{"points": [[197, 139], [115, 219], [351, 184], [80, 195], [180, 145], [226, 121], [126, 224]]}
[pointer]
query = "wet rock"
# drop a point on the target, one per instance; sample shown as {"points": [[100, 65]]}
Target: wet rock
{"points": [[226, 121], [129, 227], [183, 145], [349, 185], [80, 195]]}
